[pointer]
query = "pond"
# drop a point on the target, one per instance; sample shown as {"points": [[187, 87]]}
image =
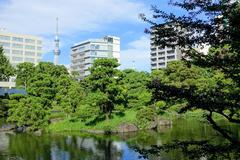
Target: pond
{"points": [[182, 141]]}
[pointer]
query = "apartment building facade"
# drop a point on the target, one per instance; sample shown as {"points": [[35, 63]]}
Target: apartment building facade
{"points": [[84, 53], [161, 56], [19, 48]]}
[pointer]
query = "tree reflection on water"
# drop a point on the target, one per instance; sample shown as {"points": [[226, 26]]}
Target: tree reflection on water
{"points": [[192, 150], [194, 141], [212, 149]]}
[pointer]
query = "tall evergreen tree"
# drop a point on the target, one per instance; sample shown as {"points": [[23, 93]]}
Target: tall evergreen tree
{"points": [[6, 70], [25, 72], [103, 81]]}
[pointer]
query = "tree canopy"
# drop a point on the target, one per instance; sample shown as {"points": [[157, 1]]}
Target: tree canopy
{"points": [[213, 84], [103, 82], [6, 70], [24, 72]]}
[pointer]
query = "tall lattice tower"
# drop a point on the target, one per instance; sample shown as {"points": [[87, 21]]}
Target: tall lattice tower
{"points": [[57, 41]]}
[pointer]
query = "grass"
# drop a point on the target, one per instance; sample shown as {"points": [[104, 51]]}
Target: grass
{"points": [[113, 123]]}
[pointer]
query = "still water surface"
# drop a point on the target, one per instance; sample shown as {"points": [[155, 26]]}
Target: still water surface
{"points": [[76, 146]]}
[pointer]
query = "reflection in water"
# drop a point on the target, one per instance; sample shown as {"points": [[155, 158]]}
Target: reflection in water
{"points": [[60, 147], [193, 150], [194, 141], [4, 142]]}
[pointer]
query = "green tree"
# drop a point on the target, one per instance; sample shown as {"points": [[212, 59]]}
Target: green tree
{"points": [[104, 80], [6, 70], [198, 88], [44, 81], [25, 72], [89, 110], [51, 69], [29, 112], [3, 106], [135, 88], [69, 94], [32, 111], [214, 23]]}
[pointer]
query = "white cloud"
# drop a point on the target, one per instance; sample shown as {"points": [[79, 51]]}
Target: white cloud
{"points": [[139, 53], [38, 16]]}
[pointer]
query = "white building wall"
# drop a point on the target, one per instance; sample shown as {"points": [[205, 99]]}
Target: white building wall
{"points": [[84, 53], [19, 48]]}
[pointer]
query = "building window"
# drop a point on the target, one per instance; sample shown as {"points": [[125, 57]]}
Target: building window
{"points": [[18, 52], [170, 52], [6, 38], [27, 53], [153, 59], [154, 65], [4, 44], [30, 47], [39, 48], [160, 48], [7, 51], [153, 54], [17, 39], [29, 40], [161, 58], [81, 48], [29, 60], [17, 58], [93, 53], [161, 53], [110, 47], [14, 45], [153, 49], [95, 46], [171, 57], [161, 64], [39, 54], [39, 42], [110, 40]]}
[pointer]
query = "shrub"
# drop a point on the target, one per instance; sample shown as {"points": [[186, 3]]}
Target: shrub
{"points": [[145, 116]]}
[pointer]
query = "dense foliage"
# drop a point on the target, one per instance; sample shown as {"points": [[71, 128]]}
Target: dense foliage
{"points": [[136, 93], [214, 85], [6, 70], [103, 82], [52, 93], [24, 71], [41, 82]]}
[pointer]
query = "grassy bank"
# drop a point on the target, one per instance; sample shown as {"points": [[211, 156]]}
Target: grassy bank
{"points": [[115, 121]]}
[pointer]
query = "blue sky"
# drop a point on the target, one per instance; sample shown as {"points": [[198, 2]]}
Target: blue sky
{"points": [[84, 19]]}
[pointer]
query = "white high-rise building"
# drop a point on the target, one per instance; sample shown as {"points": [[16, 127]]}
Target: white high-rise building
{"points": [[84, 53], [161, 56], [19, 48]]}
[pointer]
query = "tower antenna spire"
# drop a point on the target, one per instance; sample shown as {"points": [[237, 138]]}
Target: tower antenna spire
{"points": [[133, 65], [56, 41], [57, 26]]}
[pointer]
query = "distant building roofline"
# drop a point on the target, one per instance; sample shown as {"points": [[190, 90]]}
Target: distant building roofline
{"points": [[93, 40], [5, 32]]}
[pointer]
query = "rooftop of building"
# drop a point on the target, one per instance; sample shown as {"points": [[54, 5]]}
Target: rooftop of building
{"points": [[102, 40], [5, 32]]}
